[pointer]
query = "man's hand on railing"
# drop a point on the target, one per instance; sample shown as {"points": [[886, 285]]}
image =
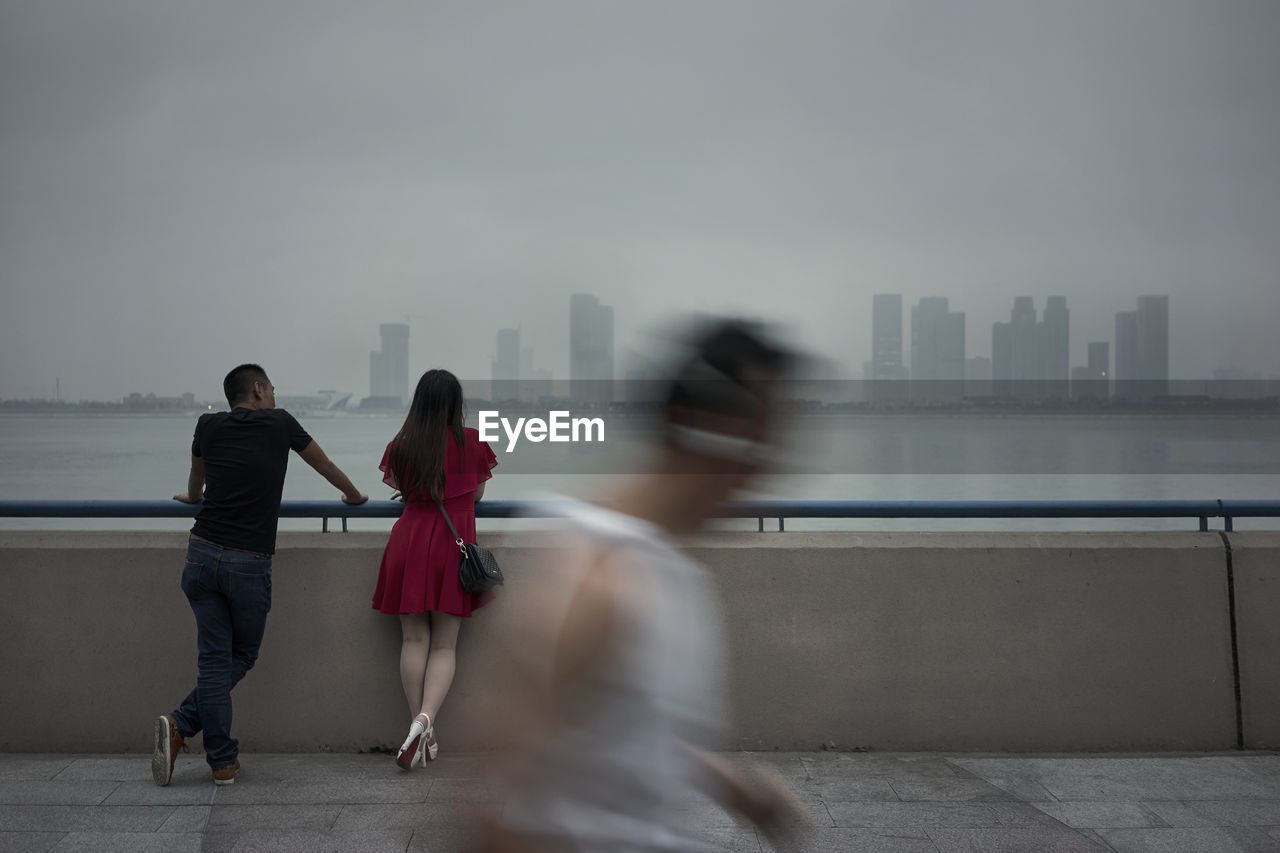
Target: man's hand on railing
{"points": [[360, 498], [187, 499]]}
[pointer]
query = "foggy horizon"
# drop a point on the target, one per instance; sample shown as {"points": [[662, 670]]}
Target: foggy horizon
{"points": [[189, 187]]}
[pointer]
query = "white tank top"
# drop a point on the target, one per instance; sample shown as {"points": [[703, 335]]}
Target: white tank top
{"points": [[614, 779]]}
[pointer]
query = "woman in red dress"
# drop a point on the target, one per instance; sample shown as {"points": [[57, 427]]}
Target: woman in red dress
{"points": [[433, 458]]}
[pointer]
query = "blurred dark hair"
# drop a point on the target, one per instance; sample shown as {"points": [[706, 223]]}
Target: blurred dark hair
{"points": [[726, 370], [238, 384], [417, 452]]}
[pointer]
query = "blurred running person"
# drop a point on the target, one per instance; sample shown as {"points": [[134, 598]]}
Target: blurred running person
{"points": [[622, 691]]}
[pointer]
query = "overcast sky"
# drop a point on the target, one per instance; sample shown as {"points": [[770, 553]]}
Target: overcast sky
{"points": [[185, 186]]}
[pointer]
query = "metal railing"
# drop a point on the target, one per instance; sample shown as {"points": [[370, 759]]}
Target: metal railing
{"points": [[1226, 509]]}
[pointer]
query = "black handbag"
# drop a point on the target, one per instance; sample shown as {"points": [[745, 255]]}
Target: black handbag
{"points": [[477, 569]]}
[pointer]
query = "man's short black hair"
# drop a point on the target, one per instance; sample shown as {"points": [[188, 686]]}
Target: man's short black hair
{"points": [[717, 377], [238, 385]]}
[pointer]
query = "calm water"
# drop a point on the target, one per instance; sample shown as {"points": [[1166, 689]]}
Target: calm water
{"points": [[858, 457]]}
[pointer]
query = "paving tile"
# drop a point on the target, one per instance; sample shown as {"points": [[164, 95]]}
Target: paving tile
{"points": [[148, 793], [28, 842], [462, 791], [30, 768], [219, 841], [1177, 814], [324, 792], [363, 818], [1134, 779], [1239, 812], [287, 817], [1100, 815], [866, 841], [444, 838], [947, 790], [1180, 840], [912, 815], [131, 768], [189, 771], [315, 767], [83, 818], [267, 841], [1062, 840], [1263, 765], [38, 793], [847, 790], [187, 819], [128, 842]]}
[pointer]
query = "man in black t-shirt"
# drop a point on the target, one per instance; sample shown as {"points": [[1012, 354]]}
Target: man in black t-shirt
{"points": [[238, 463]]}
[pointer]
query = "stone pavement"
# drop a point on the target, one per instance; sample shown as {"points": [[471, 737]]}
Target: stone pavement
{"points": [[861, 802]]}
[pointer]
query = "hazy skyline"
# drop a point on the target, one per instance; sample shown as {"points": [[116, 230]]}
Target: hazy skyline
{"points": [[188, 186]]}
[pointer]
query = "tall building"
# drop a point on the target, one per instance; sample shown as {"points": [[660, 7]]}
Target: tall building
{"points": [[1093, 380], [937, 350], [590, 350], [506, 367], [1153, 345], [1025, 352], [1053, 349], [1002, 359], [886, 337], [1100, 368], [1126, 371], [389, 367], [886, 369]]}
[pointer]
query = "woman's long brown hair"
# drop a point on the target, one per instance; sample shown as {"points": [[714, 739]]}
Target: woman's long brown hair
{"points": [[417, 451]]}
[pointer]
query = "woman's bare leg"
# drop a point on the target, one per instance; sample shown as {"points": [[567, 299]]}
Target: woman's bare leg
{"points": [[441, 662], [415, 645]]}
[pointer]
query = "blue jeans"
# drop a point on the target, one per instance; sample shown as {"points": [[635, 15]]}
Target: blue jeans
{"points": [[230, 594]]}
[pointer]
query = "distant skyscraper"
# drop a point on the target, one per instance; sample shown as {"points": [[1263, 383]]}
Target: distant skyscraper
{"points": [[1053, 348], [389, 367], [1100, 360], [1153, 344], [937, 350], [886, 336], [590, 350], [886, 368], [506, 367], [1002, 359], [1025, 352], [1092, 381], [1126, 354]]}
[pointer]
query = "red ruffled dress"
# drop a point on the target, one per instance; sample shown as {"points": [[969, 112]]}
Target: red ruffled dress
{"points": [[419, 570]]}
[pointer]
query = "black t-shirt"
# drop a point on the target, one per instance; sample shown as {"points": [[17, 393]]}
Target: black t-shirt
{"points": [[246, 454]]}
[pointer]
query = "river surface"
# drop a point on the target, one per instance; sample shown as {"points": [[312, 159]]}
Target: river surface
{"points": [[905, 456]]}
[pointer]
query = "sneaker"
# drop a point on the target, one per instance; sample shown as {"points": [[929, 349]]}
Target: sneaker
{"points": [[165, 750], [226, 775]]}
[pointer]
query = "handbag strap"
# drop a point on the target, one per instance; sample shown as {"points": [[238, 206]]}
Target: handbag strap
{"points": [[456, 538]]}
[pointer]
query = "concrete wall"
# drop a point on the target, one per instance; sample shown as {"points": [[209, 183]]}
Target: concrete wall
{"points": [[1255, 559], [949, 641]]}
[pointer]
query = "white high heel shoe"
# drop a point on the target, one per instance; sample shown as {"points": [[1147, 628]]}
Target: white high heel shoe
{"points": [[420, 746]]}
